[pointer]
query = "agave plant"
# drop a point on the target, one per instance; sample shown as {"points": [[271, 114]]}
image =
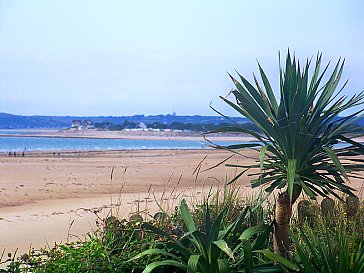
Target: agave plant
{"points": [[215, 249], [298, 150]]}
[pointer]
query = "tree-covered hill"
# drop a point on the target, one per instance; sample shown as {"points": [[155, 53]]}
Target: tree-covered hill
{"points": [[194, 123], [9, 121]]}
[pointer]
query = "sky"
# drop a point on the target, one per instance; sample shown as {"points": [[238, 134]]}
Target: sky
{"points": [[158, 57]]}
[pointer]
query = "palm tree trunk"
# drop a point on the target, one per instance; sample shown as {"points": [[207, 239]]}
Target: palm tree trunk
{"points": [[283, 213]]}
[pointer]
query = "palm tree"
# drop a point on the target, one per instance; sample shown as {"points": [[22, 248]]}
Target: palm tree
{"points": [[304, 138]]}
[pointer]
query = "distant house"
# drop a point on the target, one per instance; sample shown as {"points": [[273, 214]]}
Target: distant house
{"points": [[82, 125], [88, 124], [142, 126], [76, 124]]}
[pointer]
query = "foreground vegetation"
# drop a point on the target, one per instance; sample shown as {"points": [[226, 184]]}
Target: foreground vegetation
{"points": [[224, 233]]}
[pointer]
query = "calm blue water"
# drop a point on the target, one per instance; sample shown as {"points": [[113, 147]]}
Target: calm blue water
{"points": [[19, 144], [20, 132]]}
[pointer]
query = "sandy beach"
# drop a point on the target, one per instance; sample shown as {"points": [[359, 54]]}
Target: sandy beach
{"points": [[47, 198], [41, 194]]}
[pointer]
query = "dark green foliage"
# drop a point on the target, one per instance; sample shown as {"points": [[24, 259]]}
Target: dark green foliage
{"points": [[157, 125], [105, 251], [116, 127], [176, 125]]}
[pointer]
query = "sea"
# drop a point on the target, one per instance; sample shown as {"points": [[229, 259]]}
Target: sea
{"points": [[37, 143], [20, 144]]}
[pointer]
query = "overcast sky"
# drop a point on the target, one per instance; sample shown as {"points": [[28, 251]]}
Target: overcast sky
{"points": [[152, 57]]}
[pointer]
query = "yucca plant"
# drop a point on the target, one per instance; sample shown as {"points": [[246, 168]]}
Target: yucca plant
{"points": [[216, 249], [301, 128]]}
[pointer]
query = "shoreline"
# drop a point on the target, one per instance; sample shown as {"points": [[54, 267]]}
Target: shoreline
{"points": [[134, 135], [112, 153]]}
